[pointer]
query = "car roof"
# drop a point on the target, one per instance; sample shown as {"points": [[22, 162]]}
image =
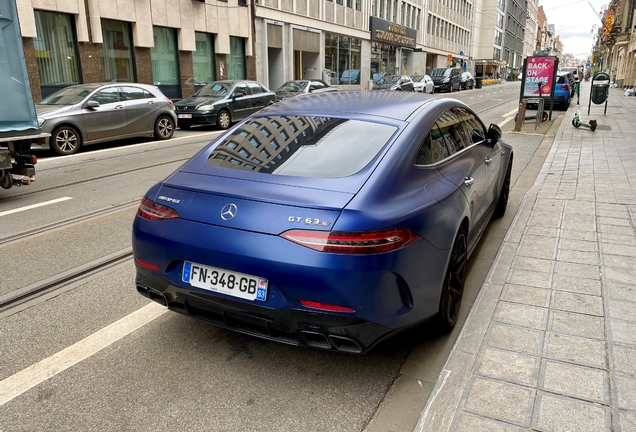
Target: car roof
{"points": [[394, 105]]}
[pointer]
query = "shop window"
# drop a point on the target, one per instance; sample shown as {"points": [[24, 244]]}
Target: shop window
{"points": [[236, 59], [203, 60], [56, 51], [343, 59], [165, 63], [116, 52]]}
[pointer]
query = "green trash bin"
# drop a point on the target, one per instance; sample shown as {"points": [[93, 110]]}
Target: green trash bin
{"points": [[478, 82], [600, 88]]}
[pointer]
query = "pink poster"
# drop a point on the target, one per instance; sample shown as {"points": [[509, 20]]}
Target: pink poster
{"points": [[539, 70]]}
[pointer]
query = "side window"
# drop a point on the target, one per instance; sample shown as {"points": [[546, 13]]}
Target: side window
{"points": [[255, 88], [433, 149], [106, 96], [474, 128], [241, 88], [149, 95], [132, 93], [452, 131]]}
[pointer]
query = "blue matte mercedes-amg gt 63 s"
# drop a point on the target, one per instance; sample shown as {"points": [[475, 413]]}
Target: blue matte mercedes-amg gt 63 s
{"points": [[331, 221]]}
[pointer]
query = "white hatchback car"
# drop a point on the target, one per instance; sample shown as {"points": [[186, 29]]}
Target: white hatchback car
{"points": [[423, 84]]}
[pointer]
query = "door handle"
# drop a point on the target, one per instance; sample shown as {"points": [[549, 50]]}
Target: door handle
{"points": [[468, 181], [119, 107], [151, 103], [488, 161], [503, 153]]}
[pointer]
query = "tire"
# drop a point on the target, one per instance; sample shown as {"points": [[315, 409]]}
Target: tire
{"points": [[6, 179], [65, 140], [544, 117], [502, 201], [164, 127], [185, 127], [575, 123], [433, 90], [453, 288], [223, 120]]}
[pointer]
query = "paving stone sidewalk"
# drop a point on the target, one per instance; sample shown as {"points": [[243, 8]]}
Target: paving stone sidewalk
{"points": [[550, 343]]}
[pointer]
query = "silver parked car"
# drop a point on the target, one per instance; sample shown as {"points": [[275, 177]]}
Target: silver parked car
{"points": [[91, 113], [298, 87]]}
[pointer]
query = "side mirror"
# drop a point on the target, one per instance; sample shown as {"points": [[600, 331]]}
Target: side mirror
{"points": [[494, 132], [92, 104]]}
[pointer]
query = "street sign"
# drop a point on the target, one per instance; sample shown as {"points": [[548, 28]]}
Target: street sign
{"points": [[449, 57], [587, 63], [465, 65], [461, 53]]}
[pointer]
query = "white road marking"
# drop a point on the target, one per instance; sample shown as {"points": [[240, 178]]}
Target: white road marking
{"points": [[508, 114], [28, 378], [21, 209], [502, 123]]}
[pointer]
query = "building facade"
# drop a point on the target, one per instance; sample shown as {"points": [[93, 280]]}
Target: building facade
{"points": [[619, 39], [178, 45]]}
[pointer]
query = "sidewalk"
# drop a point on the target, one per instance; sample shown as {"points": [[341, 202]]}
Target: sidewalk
{"points": [[550, 343]]}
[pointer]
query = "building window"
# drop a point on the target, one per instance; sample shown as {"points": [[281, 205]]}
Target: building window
{"points": [[203, 59], [55, 51], [236, 59], [116, 52], [165, 63], [349, 4], [343, 58]]}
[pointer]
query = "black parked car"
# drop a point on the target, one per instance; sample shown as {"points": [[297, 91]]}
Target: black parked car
{"points": [[448, 79], [468, 82], [223, 103], [394, 82]]}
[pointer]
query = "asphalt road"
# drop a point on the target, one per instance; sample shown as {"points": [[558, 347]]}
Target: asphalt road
{"points": [[98, 356]]}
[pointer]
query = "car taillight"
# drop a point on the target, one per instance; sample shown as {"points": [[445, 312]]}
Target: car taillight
{"points": [[170, 102], [151, 210], [353, 242], [565, 87]]}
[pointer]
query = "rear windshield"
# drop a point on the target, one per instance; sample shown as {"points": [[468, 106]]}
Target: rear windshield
{"points": [[320, 147]]}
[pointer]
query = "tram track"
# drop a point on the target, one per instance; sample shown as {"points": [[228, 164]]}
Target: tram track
{"points": [[19, 299], [70, 221]]}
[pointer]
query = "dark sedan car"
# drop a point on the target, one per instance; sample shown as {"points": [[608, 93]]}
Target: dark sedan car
{"points": [[223, 103], [85, 114], [298, 87], [394, 82], [448, 79], [330, 221]]}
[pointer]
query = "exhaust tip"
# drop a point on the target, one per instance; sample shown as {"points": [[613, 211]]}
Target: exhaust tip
{"points": [[315, 340], [345, 344], [152, 294]]}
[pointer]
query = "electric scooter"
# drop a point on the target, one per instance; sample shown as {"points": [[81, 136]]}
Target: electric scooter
{"points": [[576, 121]]}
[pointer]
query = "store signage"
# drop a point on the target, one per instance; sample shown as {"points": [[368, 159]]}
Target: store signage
{"points": [[539, 74], [388, 32]]}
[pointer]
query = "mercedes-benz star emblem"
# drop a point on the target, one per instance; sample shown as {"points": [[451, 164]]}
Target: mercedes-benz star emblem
{"points": [[228, 212]]}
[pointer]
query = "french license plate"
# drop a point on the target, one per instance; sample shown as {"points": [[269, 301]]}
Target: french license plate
{"points": [[235, 284], [184, 115]]}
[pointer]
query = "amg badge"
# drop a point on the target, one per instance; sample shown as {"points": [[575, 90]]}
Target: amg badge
{"points": [[308, 221]]}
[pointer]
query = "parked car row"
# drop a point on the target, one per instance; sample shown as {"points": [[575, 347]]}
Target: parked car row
{"points": [[85, 114]]}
